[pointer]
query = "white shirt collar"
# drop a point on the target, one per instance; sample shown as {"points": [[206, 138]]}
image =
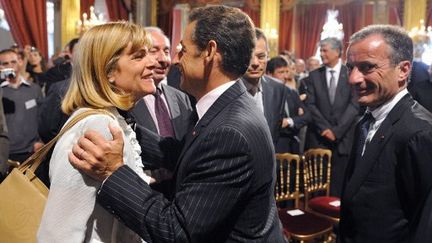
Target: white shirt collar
{"points": [[336, 68], [21, 81], [208, 99], [381, 112]]}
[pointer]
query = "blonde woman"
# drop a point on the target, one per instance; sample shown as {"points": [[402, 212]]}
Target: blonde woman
{"points": [[111, 70]]}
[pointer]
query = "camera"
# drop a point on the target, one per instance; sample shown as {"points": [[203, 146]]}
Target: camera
{"points": [[7, 73]]}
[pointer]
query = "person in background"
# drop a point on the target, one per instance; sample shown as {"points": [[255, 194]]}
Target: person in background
{"points": [[20, 100], [226, 170], [112, 70], [334, 110], [388, 179], [36, 65], [269, 94], [293, 137], [62, 66], [300, 69], [168, 112], [312, 63]]}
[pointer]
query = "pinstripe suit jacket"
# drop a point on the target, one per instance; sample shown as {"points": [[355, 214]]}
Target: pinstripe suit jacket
{"points": [[224, 182]]}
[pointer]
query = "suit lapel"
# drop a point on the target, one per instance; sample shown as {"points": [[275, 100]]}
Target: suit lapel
{"points": [[173, 106], [375, 147], [223, 101], [142, 115], [341, 84], [267, 95], [323, 84]]}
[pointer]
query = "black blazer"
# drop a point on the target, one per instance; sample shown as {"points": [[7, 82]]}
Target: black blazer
{"points": [[339, 117], [224, 182], [385, 190]]}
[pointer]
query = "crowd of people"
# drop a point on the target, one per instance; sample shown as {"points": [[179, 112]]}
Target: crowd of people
{"points": [[196, 162]]}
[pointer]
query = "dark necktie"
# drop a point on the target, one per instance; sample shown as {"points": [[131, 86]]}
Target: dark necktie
{"points": [[364, 128], [332, 87], [162, 116]]}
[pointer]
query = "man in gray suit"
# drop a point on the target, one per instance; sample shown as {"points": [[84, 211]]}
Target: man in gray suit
{"points": [[178, 107], [334, 110], [225, 173]]}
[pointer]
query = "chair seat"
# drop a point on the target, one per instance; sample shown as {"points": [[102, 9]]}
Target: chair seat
{"points": [[322, 205], [306, 225]]}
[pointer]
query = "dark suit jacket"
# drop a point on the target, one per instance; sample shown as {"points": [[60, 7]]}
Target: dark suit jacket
{"points": [[339, 117], [289, 140], [51, 118], [224, 182], [273, 94], [385, 190]]}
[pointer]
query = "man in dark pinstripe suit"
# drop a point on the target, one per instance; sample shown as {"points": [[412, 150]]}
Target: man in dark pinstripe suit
{"points": [[225, 170]]}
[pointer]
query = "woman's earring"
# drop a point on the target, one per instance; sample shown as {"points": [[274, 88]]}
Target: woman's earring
{"points": [[111, 80]]}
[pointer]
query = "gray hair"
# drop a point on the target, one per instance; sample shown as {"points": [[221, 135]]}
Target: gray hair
{"points": [[400, 44], [334, 43]]}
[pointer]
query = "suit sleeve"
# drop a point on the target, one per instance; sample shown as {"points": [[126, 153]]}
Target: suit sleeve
{"points": [[50, 117], [347, 118], [206, 198], [156, 150]]}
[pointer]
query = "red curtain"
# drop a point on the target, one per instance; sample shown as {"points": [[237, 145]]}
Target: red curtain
{"points": [[368, 14], [429, 13], [28, 22], [396, 13], [252, 8], [116, 10], [351, 16], [286, 29], [85, 6], [309, 19], [165, 16]]}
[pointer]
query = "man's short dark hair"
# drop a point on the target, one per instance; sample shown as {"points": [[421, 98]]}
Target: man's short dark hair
{"points": [[275, 63], [8, 50], [334, 43], [231, 29], [401, 45], [71, 44]]}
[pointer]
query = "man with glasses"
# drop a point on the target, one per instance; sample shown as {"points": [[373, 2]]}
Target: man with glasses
{"points": [[388, 177]]}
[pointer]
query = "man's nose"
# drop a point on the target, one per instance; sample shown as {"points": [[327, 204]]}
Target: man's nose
{"points": [[355, 76]]}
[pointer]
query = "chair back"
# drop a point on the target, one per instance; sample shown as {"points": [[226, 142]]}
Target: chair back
{"points": [[316, 173], [287, 174]]}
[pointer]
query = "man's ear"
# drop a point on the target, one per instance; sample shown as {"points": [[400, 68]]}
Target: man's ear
{"points": [[405, 69], [211, 51]]}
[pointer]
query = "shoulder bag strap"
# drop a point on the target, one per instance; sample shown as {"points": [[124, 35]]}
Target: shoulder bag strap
{"points": [[33, 162]]}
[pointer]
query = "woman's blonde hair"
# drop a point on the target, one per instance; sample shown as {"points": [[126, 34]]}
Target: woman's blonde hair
{"points": [[95, 57]]}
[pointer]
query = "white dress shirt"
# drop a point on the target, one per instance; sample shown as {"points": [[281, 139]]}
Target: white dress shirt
{"points": [[380, 113], [208, 99], [336, 69]]}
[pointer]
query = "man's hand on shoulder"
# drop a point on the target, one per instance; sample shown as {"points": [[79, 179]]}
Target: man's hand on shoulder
{"points": [[96, 156]]}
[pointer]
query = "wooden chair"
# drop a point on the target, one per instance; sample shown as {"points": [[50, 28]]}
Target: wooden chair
{"points": [[317, 167], [298, 225]]}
